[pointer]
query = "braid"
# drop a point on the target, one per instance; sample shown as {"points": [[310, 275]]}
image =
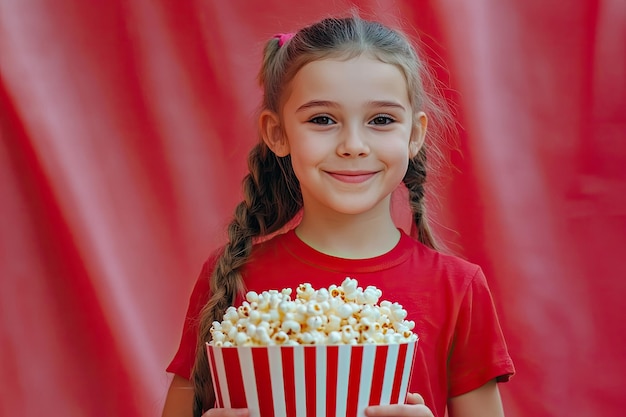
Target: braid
{"points": [[271, 199], [415, 180]]}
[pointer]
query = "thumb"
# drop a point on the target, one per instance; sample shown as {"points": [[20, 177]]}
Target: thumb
{"points": [[414, 398]]}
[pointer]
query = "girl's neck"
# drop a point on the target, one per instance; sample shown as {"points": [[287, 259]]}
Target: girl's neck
{"points": [[349, 237]]}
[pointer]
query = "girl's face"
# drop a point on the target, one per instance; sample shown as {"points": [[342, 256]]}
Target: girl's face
{"points": [[348, 126]]}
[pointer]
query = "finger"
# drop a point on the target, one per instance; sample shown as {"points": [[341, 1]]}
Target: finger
{"points": [[414, 398], [399, 410], [227, 412]]}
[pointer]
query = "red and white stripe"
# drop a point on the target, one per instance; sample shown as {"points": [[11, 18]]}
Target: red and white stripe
{"points": [[311, 381]]}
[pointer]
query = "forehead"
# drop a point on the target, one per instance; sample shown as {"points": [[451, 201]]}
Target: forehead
{"points": [[348, 80]]}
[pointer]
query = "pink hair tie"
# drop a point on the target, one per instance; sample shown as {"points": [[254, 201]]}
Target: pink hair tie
{"points": [[283, 38]]}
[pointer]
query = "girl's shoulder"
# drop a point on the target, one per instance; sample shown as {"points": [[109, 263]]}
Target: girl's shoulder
{"points": [[442, 268], [441, 258]]}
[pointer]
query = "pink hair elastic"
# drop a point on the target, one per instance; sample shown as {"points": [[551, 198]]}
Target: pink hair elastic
{"points": [[283, 38]]}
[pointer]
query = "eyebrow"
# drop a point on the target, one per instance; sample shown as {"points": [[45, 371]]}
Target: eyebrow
{"points": [[316, 103], [384, 103], [326, 103]]}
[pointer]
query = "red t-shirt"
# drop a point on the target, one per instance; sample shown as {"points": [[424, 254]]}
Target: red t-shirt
{"points": [[461, 346]]}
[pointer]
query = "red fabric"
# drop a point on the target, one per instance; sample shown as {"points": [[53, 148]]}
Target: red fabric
{"points": [[461, 346], [124, 126]]}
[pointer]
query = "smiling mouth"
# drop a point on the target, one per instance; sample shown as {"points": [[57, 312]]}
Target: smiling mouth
{"points": [[352, 177]]}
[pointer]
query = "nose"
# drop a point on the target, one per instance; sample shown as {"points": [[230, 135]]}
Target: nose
{"points": [[351, 143]]}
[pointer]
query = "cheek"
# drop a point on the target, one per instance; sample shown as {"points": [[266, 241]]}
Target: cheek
{"points": [[305, 164], [303, 155], [306, 146], [397, 151]]}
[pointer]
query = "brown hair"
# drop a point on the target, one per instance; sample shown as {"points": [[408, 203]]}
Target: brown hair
{"points": [[271, 190]]}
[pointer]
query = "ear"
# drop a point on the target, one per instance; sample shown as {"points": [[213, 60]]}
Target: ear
{"points": [[418, 134], [272, 133]]}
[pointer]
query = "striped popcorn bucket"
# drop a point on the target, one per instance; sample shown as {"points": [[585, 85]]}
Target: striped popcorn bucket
{"points": [[311, 381]]}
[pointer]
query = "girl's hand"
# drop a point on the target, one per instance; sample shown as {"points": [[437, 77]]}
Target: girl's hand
{"points": [[226, 412], [414, 407]]}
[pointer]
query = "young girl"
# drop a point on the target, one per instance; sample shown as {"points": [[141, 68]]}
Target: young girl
{"points": [[343, 123]]}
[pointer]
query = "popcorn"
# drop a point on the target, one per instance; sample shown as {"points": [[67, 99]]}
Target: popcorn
{"points": [[344, 314]]}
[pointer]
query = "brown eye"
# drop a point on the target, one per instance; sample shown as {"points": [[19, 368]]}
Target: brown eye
{"points": [[381, 120], [322, 120]]}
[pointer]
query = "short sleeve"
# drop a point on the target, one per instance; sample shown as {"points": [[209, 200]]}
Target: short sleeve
{"points": [[479, 352], [184, 358]]}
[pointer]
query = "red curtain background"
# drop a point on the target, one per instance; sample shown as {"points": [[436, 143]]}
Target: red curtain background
{"points": [[125, 127]]}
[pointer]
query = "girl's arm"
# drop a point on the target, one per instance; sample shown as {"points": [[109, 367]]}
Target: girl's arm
{"points": [[481, 402], [179, 402]]}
